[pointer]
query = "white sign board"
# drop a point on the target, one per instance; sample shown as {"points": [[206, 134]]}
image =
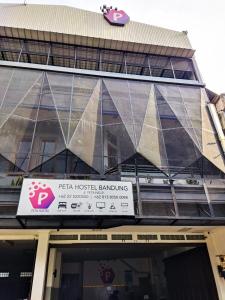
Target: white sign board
{"points": [[53, 197]]}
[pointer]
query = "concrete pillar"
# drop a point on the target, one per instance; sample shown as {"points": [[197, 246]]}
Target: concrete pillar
{"points": [[216, 246], [50, 276], [38, 285], [54, 275]]}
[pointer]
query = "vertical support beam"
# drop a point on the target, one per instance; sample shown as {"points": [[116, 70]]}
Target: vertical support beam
{"points": [[50, 276], [216, 246], [174, 198], [40, 266], [54, 275]]}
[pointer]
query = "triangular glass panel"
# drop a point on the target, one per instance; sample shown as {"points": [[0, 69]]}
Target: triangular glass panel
{"points": [[15, 141], [151, 114], [20, 85], [167, 117], [201, 168], [83, 88], [48, 137], [61, 88], [65, 163], [118, 145], [169, 120], [152, 147], [28, 108], [110, 115], [7, 166], [86, 143], [140, 98], [139, 164], [186, 105], [118, 91], [181, 150], [191, 97]]}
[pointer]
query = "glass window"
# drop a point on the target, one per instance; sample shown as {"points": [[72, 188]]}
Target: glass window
{"points": [[160, 66], [22, 155], [47, 150], [183, 68]]}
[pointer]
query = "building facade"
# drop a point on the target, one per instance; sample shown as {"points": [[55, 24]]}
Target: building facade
{"points": [[83, 102]]}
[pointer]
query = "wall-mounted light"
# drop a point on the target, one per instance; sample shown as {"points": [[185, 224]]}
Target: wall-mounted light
{"points": [[221, 266]]}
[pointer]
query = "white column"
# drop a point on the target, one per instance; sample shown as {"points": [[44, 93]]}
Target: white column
{"points": [[216, 246], [54, 275], [50, 276], [38, 285]]}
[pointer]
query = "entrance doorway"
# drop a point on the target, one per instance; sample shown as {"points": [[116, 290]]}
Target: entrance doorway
{"points": [[132, 272], [16, 269]]}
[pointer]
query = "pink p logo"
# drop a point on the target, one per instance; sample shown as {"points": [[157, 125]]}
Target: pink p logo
{"points": [[40, 196], [117, 17]]}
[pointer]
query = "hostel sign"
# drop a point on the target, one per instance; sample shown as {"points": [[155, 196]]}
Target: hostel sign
{"points": [[51, 197], [115, 16]]}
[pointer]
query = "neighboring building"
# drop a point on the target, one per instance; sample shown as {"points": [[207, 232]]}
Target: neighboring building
{"points": [[83, 100], [219, 102]]}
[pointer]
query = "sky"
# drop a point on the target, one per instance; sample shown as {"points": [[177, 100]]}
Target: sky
{"points": [[203, 19]]}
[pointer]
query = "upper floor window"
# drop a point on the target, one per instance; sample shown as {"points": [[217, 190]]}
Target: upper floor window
{"points": [[69, 56]]}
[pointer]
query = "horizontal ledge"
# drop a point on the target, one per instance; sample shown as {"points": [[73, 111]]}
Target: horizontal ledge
{"points": [[100, 73]]}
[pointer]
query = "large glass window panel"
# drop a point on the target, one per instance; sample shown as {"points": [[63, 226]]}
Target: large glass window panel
{"points": [[110, 67], [183, 68], [60, 83], [118, 145], [22, 154], [38, 59], [61, 88], [173, 97], [180, 149], [168, 118], [63, 50], [5, 76], [7, 166], [119, 92], [10, 56], [61, 61], [140, 97], [160, 66], [86, 143], [151, 146], [89, 64], [192, 101], [10, 44], [65, 163], [47, 149], [111, 61], [194, 209], [48, 141], [36, 47], [158, 209], [87, 53], [15, 136], [83, 87], [29, 106], [110, 114], [112, 56], [21, 83]]}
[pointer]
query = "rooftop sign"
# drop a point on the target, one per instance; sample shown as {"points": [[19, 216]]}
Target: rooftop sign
{"points": [[115, 16], [53, 197]]}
